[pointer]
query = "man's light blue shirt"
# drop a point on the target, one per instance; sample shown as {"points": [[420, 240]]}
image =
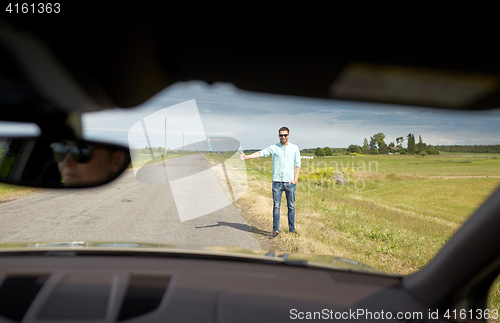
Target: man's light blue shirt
{"points": [[285, 159]]}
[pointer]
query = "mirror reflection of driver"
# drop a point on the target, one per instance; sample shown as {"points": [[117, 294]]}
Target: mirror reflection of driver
{"points": [[82, 164]]}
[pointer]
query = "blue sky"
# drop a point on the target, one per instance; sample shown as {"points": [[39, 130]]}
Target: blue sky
{"points": [[254, 120]]}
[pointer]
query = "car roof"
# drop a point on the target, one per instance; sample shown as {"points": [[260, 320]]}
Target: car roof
{"points": [[126, 60]]}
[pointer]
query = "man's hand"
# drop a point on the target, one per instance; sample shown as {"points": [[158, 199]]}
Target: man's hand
{"points": [[251, 156], [296, 178]]}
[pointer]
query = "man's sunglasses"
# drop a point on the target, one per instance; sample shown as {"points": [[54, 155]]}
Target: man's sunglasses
{"points": [[283, 136], [79, 153]]}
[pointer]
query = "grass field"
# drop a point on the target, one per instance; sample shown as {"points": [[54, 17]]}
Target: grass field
{"points": [[394, 214], [139, 160]]}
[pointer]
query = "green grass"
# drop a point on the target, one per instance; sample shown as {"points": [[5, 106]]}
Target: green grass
{"points": [[451, 200], [8, 190], [411, 165], [398, 216]]}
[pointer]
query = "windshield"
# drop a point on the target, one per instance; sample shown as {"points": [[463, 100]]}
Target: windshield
{"points": [[384, 185]]}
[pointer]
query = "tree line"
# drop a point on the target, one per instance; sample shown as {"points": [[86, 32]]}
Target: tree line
{"points": [[326, 151], [377, 145], [468, 148]]}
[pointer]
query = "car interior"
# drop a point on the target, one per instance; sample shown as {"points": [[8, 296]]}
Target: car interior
{"points": [[51, 77]]}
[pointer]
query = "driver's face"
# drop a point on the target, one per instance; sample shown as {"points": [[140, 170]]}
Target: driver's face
{"points": [[95, 171], [283, 135]]}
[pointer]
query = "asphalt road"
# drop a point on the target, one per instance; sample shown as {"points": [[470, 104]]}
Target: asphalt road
{"points": [[178, 201]]}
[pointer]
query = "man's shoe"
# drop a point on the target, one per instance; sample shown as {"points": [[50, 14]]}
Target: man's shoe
{"points": [[294, 233], [273, 235]]}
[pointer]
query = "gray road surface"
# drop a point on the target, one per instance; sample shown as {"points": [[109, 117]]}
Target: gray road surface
{"points": [[130, 209]]}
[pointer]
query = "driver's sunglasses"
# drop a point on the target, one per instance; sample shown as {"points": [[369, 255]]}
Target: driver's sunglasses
{"points": [[79, 153], [284, 136]]}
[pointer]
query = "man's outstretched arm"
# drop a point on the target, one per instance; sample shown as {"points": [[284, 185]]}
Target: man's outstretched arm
{"points": [[252, 156]]}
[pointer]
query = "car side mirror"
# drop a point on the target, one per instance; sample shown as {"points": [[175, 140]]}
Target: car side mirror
{"points": [[43, 162]]}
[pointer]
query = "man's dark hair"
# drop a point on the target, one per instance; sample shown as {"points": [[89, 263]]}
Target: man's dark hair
{"points": [[283, 129]]}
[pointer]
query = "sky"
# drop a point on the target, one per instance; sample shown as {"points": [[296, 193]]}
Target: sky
{"points": [[196, 111], [222, 110]]}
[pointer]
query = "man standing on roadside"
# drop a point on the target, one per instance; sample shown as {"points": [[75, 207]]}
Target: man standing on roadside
{"points": [[286, 160]]}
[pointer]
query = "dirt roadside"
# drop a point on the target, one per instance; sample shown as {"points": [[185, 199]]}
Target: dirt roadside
{"points": [[261, 231], [20, 194]]}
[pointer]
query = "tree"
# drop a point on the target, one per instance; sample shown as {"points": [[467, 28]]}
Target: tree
{"points": [[366, 146], [319, 152], [383, 149], [411, 144], [377, 141], [399, 140], [431, 150], [421, 146], [355, 149], [328, 151]]}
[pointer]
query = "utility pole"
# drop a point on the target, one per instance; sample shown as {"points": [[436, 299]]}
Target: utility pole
{"points": [[183, 142], [165, 137]]}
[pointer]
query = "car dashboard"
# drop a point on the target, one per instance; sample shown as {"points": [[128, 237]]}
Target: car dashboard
{"points": [[138, 287]]}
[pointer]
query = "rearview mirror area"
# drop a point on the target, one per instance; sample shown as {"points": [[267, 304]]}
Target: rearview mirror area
{"points": [[61, 163]]}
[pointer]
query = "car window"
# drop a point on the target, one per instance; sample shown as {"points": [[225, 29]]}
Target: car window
{"points": [[383, 185]]}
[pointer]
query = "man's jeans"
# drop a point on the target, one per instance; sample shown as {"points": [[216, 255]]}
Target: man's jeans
{"points": [[278, 188]]}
